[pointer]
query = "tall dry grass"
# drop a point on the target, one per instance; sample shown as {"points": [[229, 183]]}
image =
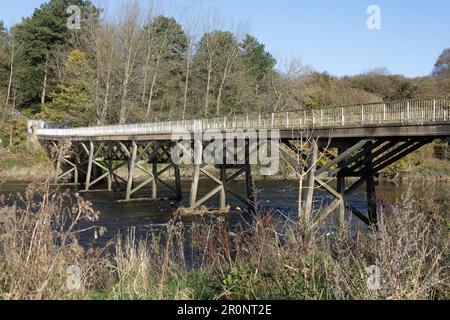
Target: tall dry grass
{"points": [[268, 258], [39, 241]]}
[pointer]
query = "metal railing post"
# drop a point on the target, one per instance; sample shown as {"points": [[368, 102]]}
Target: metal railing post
{"points": [[362, 114], [408, 114], [434, 110]]}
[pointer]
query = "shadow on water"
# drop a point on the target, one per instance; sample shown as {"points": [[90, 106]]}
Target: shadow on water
{"points": [[279, 197]]}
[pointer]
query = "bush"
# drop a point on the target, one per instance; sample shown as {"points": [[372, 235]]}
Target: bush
{"points": [[14, 133]]}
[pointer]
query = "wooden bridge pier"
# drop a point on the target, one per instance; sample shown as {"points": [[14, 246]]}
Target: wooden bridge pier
{"points": [[358, 159], [228, 174], [94, 164]]}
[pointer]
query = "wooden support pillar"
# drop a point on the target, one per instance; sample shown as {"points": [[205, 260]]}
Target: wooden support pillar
{"points": [[371, 197], [94, 174], [131, 166], [308, 194], [251, 194], [75, 174], [198, 152], [58, 165], [155, 181], [223, 178], [341, 189], [110, 167], [90, 165], [178, 182]]}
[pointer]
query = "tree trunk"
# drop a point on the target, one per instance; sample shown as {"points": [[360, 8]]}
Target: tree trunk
{"points": [[186, 88], [8, 94], [44, 87], [147, 62], [152, 89], [208, 87], [106, 101], [300, 198], [123, 111], [219, 95], [155, 75]]}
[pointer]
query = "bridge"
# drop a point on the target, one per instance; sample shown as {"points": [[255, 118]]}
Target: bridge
{"points": [[357, 142]]}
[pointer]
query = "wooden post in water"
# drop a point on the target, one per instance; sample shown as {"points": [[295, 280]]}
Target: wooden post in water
{"points": [[58, 163], [308, 194], [131, 166], [198, 152], [178, 182], [223, 178], [370, 187], [341, 188], [110, 166], [155, 181], [90, 164], [251, 194]]}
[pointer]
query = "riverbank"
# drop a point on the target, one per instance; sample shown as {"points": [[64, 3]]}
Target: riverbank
{"points": [[24, 167], [268, 258]]}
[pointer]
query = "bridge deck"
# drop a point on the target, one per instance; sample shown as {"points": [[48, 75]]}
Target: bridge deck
{"points": [[402, 119]]}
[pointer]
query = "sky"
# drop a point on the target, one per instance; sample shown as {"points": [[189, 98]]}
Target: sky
{"points": [[327, 35]]}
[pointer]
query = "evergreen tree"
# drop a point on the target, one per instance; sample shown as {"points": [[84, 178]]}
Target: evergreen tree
{"points": [[256, 59], [72, 100], [36, 37]]}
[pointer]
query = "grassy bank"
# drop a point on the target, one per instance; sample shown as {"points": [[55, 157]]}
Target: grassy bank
{"points": [[20, 158], [268, 259], [18, 166]]}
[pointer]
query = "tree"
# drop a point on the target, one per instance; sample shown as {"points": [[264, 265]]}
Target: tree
{"points": [[442, 71], [388, 87], [256, 59], [215, 57], [130, 42], [4, 69], [99, 42], [36, 37], [169, 44], [227, 56], [72, 100], [11, 73]]}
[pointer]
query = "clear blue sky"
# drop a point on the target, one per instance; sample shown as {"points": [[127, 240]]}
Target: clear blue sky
{"points": [[329, 35]]}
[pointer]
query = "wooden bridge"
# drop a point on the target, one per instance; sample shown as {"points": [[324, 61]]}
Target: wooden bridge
{"points": [[358, 142]]}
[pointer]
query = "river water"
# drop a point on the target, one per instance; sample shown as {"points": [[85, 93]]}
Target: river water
{"points": [[280, 197]]}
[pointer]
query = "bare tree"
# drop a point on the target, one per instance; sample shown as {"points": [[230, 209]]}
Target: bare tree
{"points": [[158, 57], [148, 41], [131, 39], [302, 159], [190, 28], [232, 51]]}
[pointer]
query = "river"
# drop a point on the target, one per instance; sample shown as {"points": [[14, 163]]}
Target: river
{"points": [[280, 197]]}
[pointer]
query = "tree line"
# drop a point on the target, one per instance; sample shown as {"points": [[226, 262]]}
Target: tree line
{"points": [[142, 65]]}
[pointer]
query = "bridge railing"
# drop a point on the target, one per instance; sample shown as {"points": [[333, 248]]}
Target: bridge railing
{"points": [[412, 112]]}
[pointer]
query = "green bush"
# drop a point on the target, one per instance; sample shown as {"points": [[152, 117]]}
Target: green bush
{"points": [[14, 133]]}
